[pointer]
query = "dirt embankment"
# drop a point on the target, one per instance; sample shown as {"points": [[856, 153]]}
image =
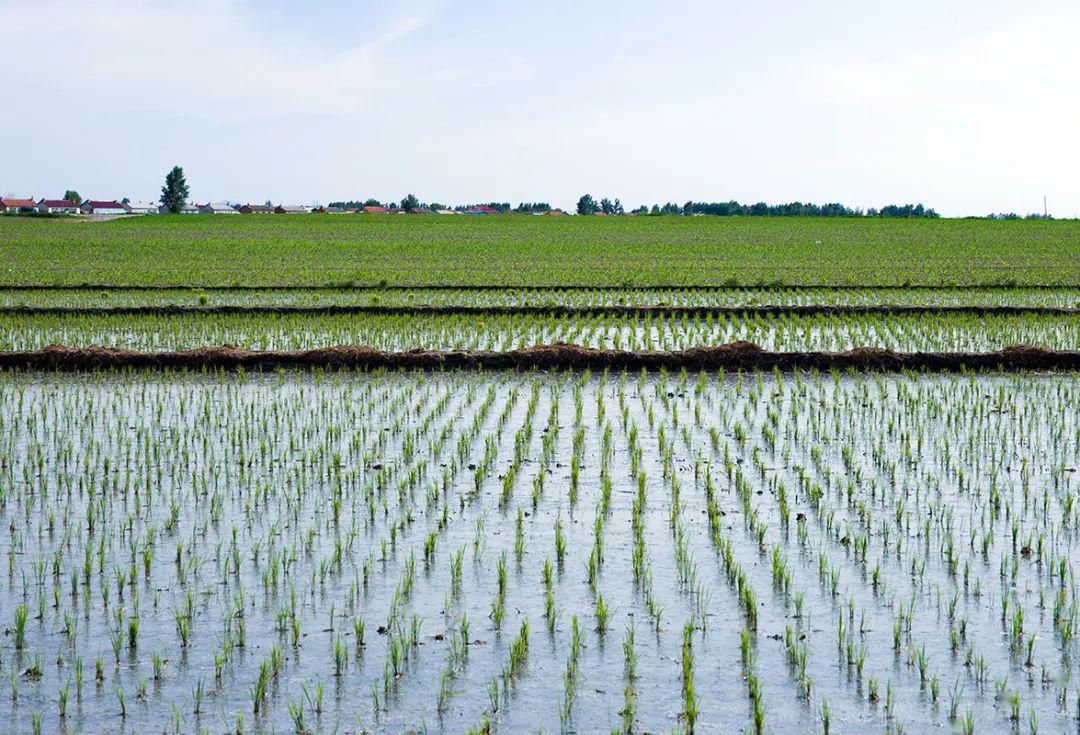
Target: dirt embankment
{"points": [[627, 287], [733, 356], [536, 309]]}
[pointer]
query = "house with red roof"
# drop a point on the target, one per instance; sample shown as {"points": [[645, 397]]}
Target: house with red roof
{"points": [[372, 209], [18, 205], [102, 206], [57, 206]]}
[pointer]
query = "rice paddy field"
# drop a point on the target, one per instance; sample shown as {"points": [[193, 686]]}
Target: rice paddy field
{"points": [[549, 550]]}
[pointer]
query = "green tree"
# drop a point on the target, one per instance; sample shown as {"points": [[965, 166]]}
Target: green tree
{"points": [[586, 205], [410, 203], [175, 192], [688, 209], [72, 196]]}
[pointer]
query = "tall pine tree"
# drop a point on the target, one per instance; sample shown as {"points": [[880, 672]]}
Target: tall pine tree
{"points": [[175, 192]]}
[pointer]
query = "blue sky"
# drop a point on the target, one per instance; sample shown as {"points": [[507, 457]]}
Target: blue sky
{"points": [[967, 106]]}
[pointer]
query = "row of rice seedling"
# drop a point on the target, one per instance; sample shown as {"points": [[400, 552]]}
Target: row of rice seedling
{"points": [[500, 551], [503, 297], [929, 332]]}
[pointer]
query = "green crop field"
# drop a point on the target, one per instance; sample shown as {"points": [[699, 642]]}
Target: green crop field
{"points": [[526, 250]]}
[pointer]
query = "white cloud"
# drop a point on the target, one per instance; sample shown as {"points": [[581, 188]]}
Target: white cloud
{"points": [[200, 59]]}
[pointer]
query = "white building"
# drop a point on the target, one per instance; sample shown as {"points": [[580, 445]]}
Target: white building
{"points": [[140, 208], [217, 208], [187, 208]]}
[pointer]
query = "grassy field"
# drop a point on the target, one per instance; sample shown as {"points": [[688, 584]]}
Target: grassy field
{"points": [[320, 250]]}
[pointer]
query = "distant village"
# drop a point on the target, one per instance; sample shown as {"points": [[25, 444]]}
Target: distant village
{"points": [[114, 208]]}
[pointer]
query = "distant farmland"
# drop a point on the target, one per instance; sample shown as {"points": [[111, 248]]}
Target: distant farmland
{"points": [[345, 250]]}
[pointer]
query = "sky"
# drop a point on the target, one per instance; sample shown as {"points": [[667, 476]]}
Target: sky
{"points": [[968, 106]]}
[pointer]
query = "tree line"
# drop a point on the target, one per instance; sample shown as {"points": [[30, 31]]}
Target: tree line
{"points": [[410, 203], [175, 192], [588, 204]]}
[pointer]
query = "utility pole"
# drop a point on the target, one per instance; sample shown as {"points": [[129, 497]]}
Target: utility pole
{"points": [[1045, 212]]}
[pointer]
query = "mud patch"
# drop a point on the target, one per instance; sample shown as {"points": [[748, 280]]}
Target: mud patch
{"points": [[732, 356], [539, 310]]}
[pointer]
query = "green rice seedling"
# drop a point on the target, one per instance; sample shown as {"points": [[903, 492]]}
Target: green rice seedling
{"points": [[922, 662], [296, 714], [455, 568], [341, 657], [376, 702], [560, 542], [358, 631], [549, 608], [630, 657], [493, 694], [629, 710], [519, 535], [955, 691], [259, 688], [62, 700], [133, 632], [967, 724], [519, 649], [601, 615], [690, 698], [21, 613], [183, 626]]}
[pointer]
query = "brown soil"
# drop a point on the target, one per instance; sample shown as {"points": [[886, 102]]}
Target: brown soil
{"points": [[733, 356], [350, 286]]}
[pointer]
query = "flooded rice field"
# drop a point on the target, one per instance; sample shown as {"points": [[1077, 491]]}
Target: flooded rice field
{"points": [[507, 552]]}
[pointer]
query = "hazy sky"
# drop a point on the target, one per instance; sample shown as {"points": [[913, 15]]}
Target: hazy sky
{"points": [[968, 106]]}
